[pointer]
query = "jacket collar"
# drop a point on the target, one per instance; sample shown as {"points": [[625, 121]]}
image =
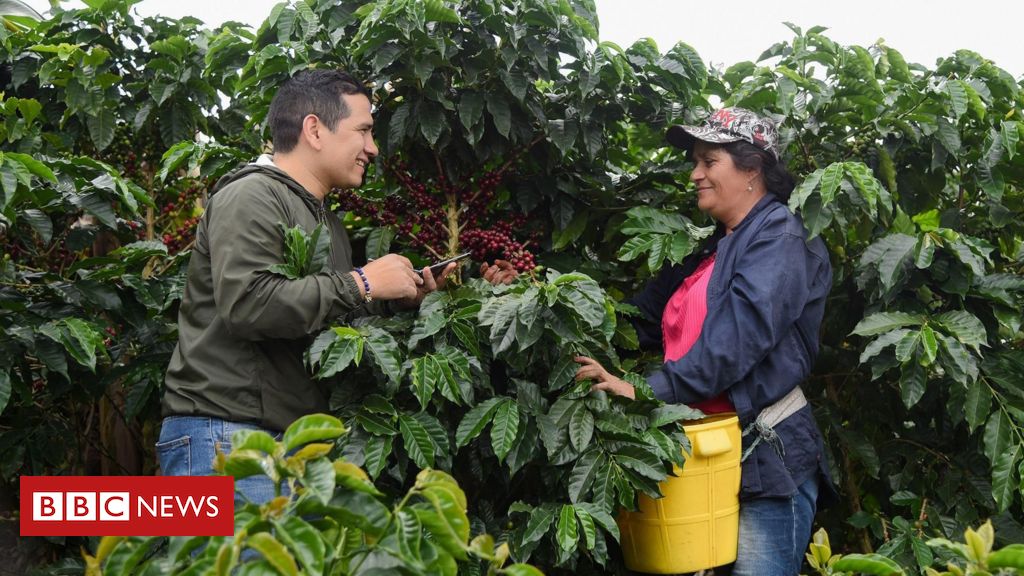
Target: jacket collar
{"points": [[763, 203]]}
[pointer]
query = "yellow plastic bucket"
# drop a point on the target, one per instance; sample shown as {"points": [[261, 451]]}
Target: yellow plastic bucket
{"points": [[696, 525]]}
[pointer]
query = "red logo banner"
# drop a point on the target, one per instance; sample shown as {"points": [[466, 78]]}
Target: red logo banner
{"points": [[127, 505]]}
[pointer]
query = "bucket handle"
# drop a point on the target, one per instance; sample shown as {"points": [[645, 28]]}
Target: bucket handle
{"points": [[711, 443]]}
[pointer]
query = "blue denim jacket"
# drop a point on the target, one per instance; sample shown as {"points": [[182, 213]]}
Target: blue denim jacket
{"points": [[766, 298]]}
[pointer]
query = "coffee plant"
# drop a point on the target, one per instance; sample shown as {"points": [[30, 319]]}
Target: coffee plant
{"points": [[975, 555], [513, 131], [332, 520]]}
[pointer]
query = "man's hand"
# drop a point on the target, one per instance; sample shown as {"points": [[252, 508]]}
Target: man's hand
{"points": [[429, 285], [501, 272], [391, 278], [592, 370]]}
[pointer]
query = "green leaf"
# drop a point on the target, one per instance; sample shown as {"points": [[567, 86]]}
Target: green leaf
{"points": [[253, 440], [426, 375], [34, 166], [603, 518], [912, 384], [572, 232], [174, 46], [538, 524], [907, 346], [475, 420], [102, 124], [1004, 477], [882, 322], [1010, 133], [671, 413], [378, 243], [963, 326], [305, 541], [880, 343], [471, 107], [9, 180], [873, 564], [438, 434], [581, 428], [802, 192], [320, 479], [498, 106], [244, 463], [378, 449], [563, 134], [374, 423], [927, 221], [81, 341], [641, 461], [929, 346], [5, 389], [925, 252], [958, 97], [977, 404], [997, 437], [397, 125], [957, 360], [898, 68], [409, 533], [922, 553], [568, 529], [584, 473], [39, 222], [335, 349], [505, 428], [417, 440], [516, 82], [588, 526], [830, 180], [948, 137], [431, 119], [865, 182], [449, 524], [275, 553], [893, 261], [312, 428], [436, 11], [520, 570], [385, 353], [1011, 556]]}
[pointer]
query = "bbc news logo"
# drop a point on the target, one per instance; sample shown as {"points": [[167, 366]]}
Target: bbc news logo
{"points": [[127, 506]]}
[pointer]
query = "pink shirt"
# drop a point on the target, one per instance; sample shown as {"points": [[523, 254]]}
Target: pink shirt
{"points": [[682, 321]]}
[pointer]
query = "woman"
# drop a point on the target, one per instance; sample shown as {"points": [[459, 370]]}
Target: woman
{"points": [[738, 322]]}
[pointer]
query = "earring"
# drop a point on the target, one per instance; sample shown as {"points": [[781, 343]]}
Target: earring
{"points": [[750, 187]]}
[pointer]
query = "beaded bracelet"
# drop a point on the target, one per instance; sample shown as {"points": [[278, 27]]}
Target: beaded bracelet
{"points": [[366, 285]]}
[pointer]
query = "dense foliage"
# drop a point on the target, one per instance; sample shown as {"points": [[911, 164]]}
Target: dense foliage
{"points": [[511, 130], [330, 520]]}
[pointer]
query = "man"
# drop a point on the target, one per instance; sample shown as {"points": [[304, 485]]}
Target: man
{"points": [[243, 329]]}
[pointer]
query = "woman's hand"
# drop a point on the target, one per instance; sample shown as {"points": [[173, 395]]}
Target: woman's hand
{"points": [[592, 370], [501, 272]]}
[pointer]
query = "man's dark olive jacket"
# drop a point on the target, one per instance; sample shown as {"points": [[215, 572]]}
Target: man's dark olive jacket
{"points": [[243, 330], [766, 299]]}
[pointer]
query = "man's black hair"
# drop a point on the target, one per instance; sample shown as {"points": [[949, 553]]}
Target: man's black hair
{"points": [[317, 92]]}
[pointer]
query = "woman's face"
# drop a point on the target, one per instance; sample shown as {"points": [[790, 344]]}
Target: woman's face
{"points": [[721, 187]]}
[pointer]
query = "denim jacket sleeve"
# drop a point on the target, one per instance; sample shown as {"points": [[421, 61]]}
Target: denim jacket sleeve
{"points": [[748, 314]]}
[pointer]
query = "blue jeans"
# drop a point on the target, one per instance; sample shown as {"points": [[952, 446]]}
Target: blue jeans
{"points": [[187, 447], [775, 532]]}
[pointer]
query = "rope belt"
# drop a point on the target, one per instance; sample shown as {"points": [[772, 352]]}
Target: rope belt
{"points": [[764, 424]]}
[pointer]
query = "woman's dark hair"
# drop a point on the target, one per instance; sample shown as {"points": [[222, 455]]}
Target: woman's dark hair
{"points": [[777, 178], [317, 92]]}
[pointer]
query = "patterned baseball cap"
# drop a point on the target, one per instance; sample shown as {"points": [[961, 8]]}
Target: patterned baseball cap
{"points": [[729, 125]]}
